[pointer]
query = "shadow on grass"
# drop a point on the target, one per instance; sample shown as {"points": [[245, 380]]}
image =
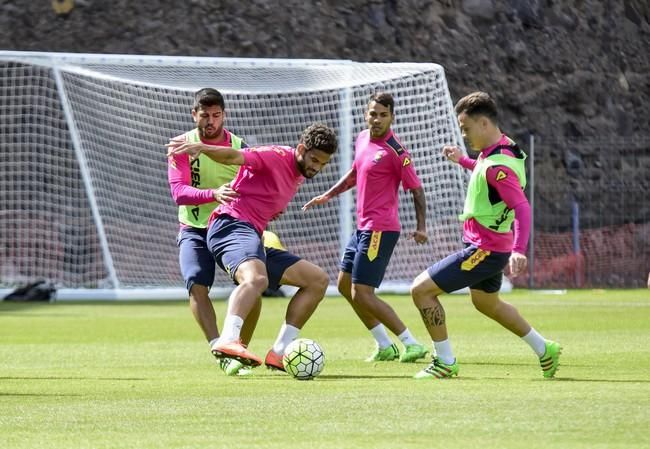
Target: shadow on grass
{"points": [[69, 378], [555, 379], [38, 394], [463, 363], [39, 315], [330, 377], [15, 306], [531, 363], [335, 377], [20, 306], [355, 376], [573, 379]]}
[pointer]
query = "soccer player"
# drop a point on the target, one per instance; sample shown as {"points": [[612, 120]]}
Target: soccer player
{"points": [[267, 180], [197, 187], [380, 164], [495, 202]]}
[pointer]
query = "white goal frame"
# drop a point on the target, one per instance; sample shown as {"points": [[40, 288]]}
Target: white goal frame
{"points": [[422, 127]]}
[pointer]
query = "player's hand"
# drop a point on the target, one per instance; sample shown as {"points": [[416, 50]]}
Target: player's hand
{"points": [[224, 194], [420, 237], [316, 201], [174, 143], [175, 147], [453, 153], [517, 264]]}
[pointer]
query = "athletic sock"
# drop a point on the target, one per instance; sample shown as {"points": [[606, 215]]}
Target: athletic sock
{"points": [[381, 337], [444, 352], [407, 338], [535, 341], [231, 329], [288, 333]]}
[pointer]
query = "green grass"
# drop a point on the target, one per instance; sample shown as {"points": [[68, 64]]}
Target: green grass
{"points": [[139, 375]]}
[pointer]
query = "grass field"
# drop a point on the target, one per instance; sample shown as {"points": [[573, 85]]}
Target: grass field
{"points": [[138, 375]]}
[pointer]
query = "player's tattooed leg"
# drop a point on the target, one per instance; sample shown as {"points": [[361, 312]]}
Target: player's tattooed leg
{"points": [[433, 316]]}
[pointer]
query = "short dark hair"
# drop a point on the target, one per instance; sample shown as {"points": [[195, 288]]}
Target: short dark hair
{"points": [[208, 97], [478, 103], [384, 99], [321, 137]]}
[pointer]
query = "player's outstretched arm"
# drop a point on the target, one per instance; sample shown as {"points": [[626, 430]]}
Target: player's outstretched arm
{"points": [[223, 155], [346, 182], [316, 201]]}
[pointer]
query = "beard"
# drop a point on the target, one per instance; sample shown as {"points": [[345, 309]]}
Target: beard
{"points": [[378, 131], [210, 132], [306, 172]]}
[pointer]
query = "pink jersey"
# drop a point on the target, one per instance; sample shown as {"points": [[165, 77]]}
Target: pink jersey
{"points": [[509, 190], [179, 175], [266, 183], [380, 165]]}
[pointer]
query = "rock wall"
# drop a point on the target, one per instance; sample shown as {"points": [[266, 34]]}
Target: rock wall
{"points": [[572, 70], [576, 69]]}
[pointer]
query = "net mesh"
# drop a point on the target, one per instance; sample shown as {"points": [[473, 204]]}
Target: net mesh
{"points": [[85, 199]]}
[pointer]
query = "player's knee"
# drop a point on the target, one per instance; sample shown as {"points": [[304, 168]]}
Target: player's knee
{"points": [[487, 308], [344, 287], [198, 292], [362, 297], [319, 281], [258, 282], [418, 292]]}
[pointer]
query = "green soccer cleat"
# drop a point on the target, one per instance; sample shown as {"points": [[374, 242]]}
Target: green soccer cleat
{"points": [[234, 367], [551, 359], [438, 370], [413, 352], [384, 355]]}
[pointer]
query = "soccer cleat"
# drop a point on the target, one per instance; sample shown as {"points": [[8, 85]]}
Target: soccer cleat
{"points": [[413, 352], [235, 350], [274, 361], [234, 367], [438, 370], [384, 355], [551, 359]]}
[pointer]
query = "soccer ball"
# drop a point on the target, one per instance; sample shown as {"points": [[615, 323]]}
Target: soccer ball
{"points": [[303, 359]]}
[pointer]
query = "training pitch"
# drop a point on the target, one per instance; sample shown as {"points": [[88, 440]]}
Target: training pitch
{"points": [[139, 375]]}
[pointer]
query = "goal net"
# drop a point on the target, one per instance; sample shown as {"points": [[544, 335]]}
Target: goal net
{"points": [[84, 199]]}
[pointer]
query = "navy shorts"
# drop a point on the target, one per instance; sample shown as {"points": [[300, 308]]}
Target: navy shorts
{"points": [[234, 241], [367, 254], [472, 267], [277, 262], [194, 257]]}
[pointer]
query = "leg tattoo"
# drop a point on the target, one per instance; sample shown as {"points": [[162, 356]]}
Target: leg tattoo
{"points": [[433, 316]]}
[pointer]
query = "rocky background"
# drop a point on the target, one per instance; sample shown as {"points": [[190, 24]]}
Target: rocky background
{"points": [[576, 68], [573, 73]]}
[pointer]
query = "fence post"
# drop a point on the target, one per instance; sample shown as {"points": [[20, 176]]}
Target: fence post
{"points": [[575, 225], [531, 184]]}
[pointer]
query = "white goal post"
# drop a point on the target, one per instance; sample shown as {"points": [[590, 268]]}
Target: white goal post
{"points": [[84, 199]]}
